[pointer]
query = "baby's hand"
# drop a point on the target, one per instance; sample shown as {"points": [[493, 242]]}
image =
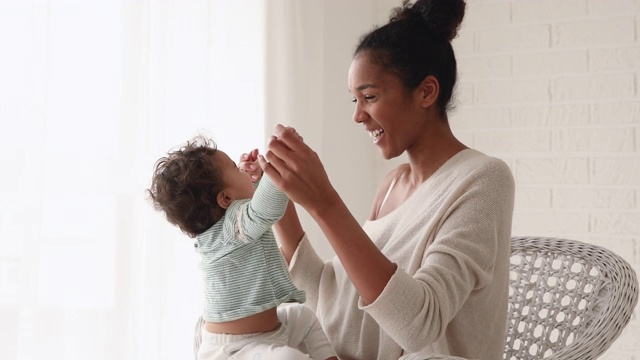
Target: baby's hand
{"points": [[249, 164]]}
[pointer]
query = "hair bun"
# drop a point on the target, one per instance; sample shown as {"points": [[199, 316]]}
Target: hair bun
{"points": [[442, 16]]}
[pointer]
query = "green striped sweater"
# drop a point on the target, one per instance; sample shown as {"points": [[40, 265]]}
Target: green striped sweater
{"points": [[243, 270]]}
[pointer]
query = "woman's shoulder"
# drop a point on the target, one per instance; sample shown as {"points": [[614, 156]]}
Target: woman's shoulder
{"points": [[478, 166], [471, 159], [471, 166]]}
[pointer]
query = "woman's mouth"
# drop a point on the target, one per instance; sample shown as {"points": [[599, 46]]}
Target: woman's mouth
{"points": [[376, 134]]}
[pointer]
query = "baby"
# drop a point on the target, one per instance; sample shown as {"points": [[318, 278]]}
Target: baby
{"points": [[229, 212]]}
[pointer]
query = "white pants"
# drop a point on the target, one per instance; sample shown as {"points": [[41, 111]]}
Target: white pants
{"points": [[299, 337], [424, 356]]}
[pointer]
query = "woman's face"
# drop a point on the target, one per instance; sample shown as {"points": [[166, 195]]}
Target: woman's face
{"points": [[390, 113]]}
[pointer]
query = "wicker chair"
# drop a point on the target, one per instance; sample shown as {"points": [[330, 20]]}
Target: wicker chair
{"points": [[568, 300]]}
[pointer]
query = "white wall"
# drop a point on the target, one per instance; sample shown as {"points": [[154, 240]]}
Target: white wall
{"points": [[552, 87]]}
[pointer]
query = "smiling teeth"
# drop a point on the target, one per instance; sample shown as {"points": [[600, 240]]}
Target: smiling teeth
{"points": [[375, 133]]}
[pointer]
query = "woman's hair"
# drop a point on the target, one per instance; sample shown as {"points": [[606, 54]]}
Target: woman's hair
{"points": [[185, 184], [416, 43]]}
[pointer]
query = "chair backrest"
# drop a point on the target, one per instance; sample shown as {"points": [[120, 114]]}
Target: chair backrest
{"points": [[568, 299]]}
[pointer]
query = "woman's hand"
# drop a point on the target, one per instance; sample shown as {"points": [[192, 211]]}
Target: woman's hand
{"points": [[249, 164], [297, 170]]}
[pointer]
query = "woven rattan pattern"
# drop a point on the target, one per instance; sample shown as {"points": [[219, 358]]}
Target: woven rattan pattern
{"points": [[568, 299]]}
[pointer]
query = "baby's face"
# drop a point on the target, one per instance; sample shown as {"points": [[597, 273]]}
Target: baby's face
{"points": [[238, 183]]}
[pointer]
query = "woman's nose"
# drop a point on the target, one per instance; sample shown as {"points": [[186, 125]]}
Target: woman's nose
{"points": [[359, 115]]}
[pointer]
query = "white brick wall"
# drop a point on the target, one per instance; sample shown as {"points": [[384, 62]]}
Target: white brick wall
{"points": [[553, 88]]}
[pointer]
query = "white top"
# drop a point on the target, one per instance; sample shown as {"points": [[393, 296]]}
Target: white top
{"points": [[451, 242]]}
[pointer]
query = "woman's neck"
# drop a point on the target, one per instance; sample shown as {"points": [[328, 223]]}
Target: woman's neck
{"points": [[431, 152]]}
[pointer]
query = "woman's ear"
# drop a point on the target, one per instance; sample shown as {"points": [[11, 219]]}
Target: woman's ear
{"points": [[428, 91], [224, 200]]}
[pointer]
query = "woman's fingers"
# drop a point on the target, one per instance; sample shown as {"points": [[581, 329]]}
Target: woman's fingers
{"points": [[277, 163], [269, 169], [295, 132], [295, 168], [290, 137], [276, 148], [295, 160]]}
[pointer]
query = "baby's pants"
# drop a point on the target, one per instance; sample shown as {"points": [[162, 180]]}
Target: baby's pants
{"points": [[299, 337]]}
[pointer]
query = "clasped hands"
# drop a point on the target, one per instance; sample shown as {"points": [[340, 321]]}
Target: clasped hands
{"points": [[292, 166]]}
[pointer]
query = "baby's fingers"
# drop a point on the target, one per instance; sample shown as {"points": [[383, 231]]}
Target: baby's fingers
{"points": [[253, 155], [248, 167]]}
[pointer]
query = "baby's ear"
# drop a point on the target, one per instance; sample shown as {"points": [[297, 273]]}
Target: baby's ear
{"points": [[223, 200]]}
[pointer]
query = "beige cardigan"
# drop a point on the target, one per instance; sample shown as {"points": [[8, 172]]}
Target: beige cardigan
{"points": [[451, 242]]}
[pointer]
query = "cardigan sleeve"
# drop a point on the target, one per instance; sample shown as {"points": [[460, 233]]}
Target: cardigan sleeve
{"points": [[415, 310], [308, 270]]}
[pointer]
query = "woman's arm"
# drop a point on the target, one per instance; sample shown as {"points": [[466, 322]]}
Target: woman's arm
{"points": [[289, 231], [296, 169], [367, 267]]}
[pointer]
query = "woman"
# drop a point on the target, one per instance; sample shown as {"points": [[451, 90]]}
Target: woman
{"points": [[428, 271]]}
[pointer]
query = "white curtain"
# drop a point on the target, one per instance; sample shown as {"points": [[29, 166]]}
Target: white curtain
{"points": [[92, 93], [309, 48]]}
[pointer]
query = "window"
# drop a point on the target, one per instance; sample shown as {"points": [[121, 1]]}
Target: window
{"points": [[91, 94]]}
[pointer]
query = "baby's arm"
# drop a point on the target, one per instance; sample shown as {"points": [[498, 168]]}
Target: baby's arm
{"points": [[249, 219], [268, 204]]}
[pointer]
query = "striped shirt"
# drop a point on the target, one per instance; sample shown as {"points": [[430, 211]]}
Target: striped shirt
{"points": [[244, 272]]}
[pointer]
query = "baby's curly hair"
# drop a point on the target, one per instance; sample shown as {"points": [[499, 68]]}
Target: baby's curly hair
{"points": [[185, 184]]}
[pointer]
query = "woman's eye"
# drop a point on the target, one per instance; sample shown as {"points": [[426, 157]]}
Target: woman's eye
{"points": [[366, 98]]}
